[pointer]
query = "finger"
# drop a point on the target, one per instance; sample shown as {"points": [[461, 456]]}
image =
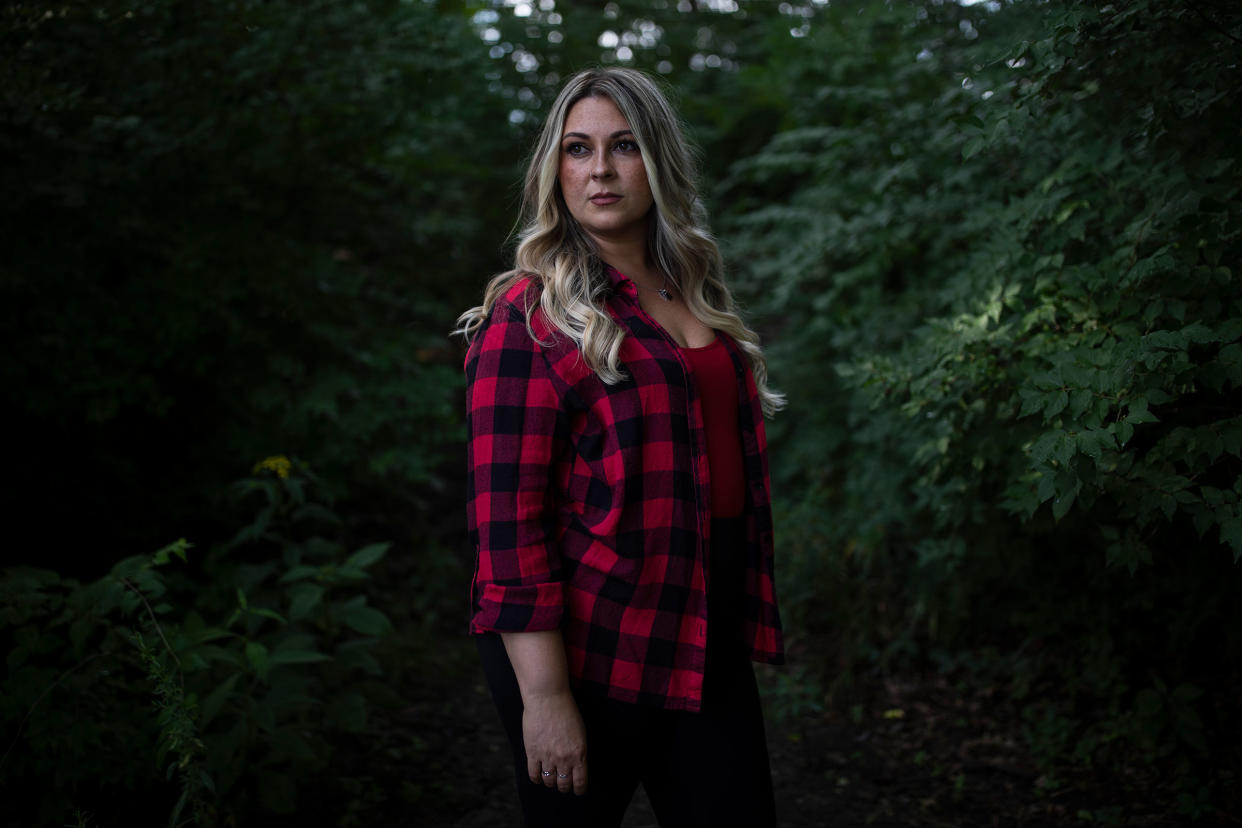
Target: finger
{"points": [[564, 781], [532, 769], [580, 779], [548, 775]]}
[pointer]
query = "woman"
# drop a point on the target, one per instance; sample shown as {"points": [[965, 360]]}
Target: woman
{"points": [[619, 500]]}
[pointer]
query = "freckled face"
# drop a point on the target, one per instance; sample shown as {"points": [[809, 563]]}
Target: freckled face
{"points": [[602, 175]]}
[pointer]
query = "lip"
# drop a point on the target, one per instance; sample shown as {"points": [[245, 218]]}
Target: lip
{"points": [[605, 198]]}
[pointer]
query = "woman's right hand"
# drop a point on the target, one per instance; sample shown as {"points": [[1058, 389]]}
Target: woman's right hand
{"points": [[551, 724], [555, 742]]}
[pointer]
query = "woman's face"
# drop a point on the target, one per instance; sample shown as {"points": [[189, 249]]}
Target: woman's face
{"points": [[602, 175]]}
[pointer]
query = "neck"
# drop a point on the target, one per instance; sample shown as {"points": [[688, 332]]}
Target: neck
{"points": [[627, 254], [634, 264]]}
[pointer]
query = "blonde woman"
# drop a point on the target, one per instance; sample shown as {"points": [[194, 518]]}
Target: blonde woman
{"points": [[619, 497]]}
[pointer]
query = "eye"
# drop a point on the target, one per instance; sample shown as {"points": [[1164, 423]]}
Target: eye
{"points": [[626, 146], [576, 150]]}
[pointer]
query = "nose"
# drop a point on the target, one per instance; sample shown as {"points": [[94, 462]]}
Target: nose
{"points": [[602, 168]]}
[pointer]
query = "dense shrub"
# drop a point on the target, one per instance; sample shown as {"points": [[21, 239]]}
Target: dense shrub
{"points": [[998, 250], [235, 226], [209, 689]]}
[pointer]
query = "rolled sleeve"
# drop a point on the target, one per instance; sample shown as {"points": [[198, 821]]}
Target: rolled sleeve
{"points": [[515, 434], [519, 608]]}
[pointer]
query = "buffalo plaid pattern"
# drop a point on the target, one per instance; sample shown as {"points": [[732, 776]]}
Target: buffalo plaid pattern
{"points": [[589, 504]]}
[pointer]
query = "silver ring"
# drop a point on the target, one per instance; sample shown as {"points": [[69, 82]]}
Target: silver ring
{"points": [[562, 776], [547, 773]]}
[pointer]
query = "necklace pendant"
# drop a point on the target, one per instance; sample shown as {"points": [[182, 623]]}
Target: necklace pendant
{"points": [[665, 295]]}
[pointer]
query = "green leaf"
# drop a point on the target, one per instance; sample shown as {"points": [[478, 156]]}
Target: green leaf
{"points": [[1199, 333], [350, 573], [365, 620], [1068, 210], [216, 699], [1231, 533], [131, 567], [1064, 447], [267, 613], [1041, 449], [1230, 330], [178, 547], [1062, 504], [259, 527], [1137, 412], [211, 652], [1095, 442], [299, 573], [1047, 486], [356, 654], [1055, 403], [298, 657], [297, 649], [1067, 485], [303, 598], [315, 511], [1032, 401], [1080, 401], [367, 555], [256, 655], [202, 635]]}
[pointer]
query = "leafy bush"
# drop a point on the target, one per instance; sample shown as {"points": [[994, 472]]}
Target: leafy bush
{"points": [[237, 225], [998, 250], [252, 660]]}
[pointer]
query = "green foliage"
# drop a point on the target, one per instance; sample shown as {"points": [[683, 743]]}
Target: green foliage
{"points": [[178, 734], [252, 663], [248, 222], [996, 256]]}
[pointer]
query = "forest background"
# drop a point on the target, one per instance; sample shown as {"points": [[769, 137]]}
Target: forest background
{"points": [[991, 249]]}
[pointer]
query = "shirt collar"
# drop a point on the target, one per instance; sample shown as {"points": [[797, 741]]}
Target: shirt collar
{"points": [[620, 282]]}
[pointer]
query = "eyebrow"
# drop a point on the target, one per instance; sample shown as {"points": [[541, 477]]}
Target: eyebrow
{"points": [[616, 134]]}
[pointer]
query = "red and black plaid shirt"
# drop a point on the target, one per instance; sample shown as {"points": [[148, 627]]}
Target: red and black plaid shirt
{"points": [[589, 503]]}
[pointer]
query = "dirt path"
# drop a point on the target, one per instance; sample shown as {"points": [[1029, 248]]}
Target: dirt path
{"points": [[914, 751], [918, 753]]}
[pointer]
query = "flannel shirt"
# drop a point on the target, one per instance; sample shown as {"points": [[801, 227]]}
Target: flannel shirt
{"points": [[589, 504]]}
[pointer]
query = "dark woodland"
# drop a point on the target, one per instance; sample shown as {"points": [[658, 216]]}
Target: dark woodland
{"points": [[991, 248]]}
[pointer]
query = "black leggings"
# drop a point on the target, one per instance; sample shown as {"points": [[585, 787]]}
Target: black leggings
{"points": [[698, 769]]}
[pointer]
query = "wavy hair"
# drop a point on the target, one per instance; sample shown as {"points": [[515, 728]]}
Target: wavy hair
{"points": [[555, 250]]}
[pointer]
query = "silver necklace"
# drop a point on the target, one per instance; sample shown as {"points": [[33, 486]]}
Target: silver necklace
{"points": [[663, 291]]}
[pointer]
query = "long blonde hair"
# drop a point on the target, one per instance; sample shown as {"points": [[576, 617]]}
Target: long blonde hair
{"points": [[554, 249]]}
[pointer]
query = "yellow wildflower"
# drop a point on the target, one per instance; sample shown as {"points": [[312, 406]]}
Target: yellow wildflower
{"points": [[279, 464]]}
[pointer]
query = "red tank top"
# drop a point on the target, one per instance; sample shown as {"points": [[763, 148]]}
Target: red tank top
{"points": [[717, 384]]}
